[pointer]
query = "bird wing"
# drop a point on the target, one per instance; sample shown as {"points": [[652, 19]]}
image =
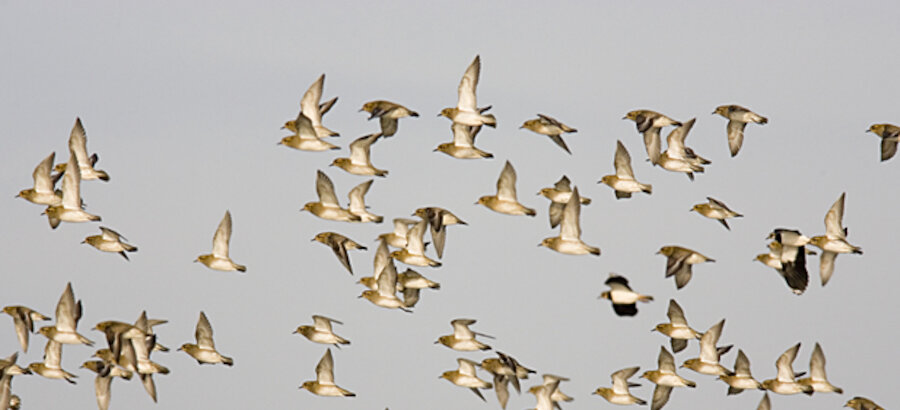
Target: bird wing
{"points": [[683, 276], [834, 228], [466, 367], [467, 100], [71, 184], [764, 403], [676, 315], [660, 396], [305, 129], [461, 329], [817, 364], [826, 266], [52, 354], [676, 138], [622, 162], [888, 148], [338, 244], [501, 387], [111, 235], [653, 143], [742, 365], [463, 135], [222, 236], [67, 312], [326, 106], [323, 324], [387, 281], [708, 351], [78, 145], [563, 184], [785, 371], [388, 125], [556, 212], [325, 190], [717, 203], [735, 135], [415, 243], [557, 139], [359, 149], [325, 369], [41, 174], [382, 257], [617, 282], [357, 197], [309, 104], [204, 333], [620, 379], [102, 386], [569, 225], [665, 361], [506, 184]]}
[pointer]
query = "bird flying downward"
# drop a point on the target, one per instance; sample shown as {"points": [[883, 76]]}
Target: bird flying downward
{"points": [[219, 258], [339, 244], [738, 117], [388, 113], [549, 126], [890, 135]]}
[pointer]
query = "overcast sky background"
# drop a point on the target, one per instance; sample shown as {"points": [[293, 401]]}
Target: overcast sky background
{"points": [[183, 103]]}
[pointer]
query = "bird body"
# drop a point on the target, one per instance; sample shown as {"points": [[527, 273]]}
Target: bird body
{"points": [[110, 241], [43, 193], [890, 135], [466, 111], [738, 117]]}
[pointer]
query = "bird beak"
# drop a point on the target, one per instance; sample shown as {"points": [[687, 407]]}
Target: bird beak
{"points": [[312, 240], [713, 113], [625, 118], [360, 110], [521, 127], [439, 114], [283, 127]]}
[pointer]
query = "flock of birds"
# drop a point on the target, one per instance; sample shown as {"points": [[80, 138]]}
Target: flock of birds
{"points": [[129, 346]]}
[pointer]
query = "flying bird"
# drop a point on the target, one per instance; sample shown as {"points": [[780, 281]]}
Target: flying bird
{"points": [[23, 321], [321, 331], [204, 352], [463, 144], [738, 117], [219, 258], [817, 378], [43, 192], [665, 378], [740, 379], [506, 202], [466, 110], [438, 219], [340, 244], [463, 338], [569, 239], [388, 114], [619, 393], [623, 181], [677, 329], [785, 382], [717, 210], [649, 124], [110, 241], [358, 204], [623, 299], [70, 209], [549, 126], [78, 147], [679, 261], [360, 161], [834, 241], [559, 196], [328, 207], [324, 383], [890, 135], [465, 376]]}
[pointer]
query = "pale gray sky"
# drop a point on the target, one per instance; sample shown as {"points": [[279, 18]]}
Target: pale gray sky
{"points": [[183, 103]]}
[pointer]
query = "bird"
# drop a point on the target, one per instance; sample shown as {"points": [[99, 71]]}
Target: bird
{"points": [[379, 262], [677, 157], [384, 294], [738, 117], [438, 219], [324, 383], [70, 208], [717, 210], [791, 252], [358, 204], [466, 110], [665, 378], [558, 196], [834, 241], [110, 241], [23, 321], [328, 207], [388, 114], [649, 124], [623, 181], [817, 378], [219, 258], [548, 393], [78, 147], [411, 279], [619, 393], [784, 382], [321, 331], [679, 261], [305, 137], [506, 369], [360, 162], [43, 192], [397, 238], [890, 135], [677, 329], [414, 252], [740, 379], [118, 334], [339, 244], [623, 299], [50, 367], [204, 352], [862, 403], [309, 106], [68, 313], [463, 145], [569, 239], [505, 202], [549, 126], [465, 376], [463, 338], [103, 381], [8, 369], [708, 361]]}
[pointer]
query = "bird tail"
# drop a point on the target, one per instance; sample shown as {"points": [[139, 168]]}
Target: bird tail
{"points": [[645, 298], [489, 120], [648, 188], [241, 268], [227, 361]]}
